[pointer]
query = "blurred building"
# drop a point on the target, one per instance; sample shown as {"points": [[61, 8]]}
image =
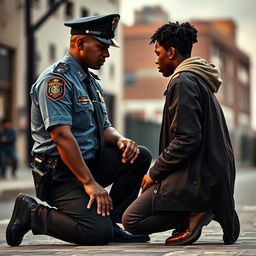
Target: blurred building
{"points": [[52, 42], [151, 15], [144, 86]]}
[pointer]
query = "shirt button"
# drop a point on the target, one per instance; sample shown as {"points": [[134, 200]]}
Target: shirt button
{"points": [[155, 191]]}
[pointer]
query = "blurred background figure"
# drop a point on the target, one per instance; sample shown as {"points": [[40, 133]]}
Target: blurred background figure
{"points": [[8, 148]]}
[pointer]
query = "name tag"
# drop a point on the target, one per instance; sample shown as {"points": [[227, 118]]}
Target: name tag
{"points": [[83, 99]]}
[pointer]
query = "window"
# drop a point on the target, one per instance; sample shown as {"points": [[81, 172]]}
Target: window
{"points": [[84, 12], [51, 2], [243, 74], [217, 57], [129, 78], [112, 71], [5, 65], [52, 52], [230, 92], [243, 99], [69, 9]]}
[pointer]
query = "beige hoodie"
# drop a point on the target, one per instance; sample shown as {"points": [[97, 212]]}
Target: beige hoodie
{"points": [[209, 72]]}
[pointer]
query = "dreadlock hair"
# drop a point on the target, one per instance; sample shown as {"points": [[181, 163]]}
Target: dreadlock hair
{"points": [[180, 36]]}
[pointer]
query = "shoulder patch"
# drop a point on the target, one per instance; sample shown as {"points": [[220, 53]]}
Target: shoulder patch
{"points": [[61, 68], [55, 88], [176, 76], [94, 75]]}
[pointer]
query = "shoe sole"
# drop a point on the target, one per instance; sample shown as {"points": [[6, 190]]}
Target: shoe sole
{"points": [[197, 232], [14, 215], [138, 239]]}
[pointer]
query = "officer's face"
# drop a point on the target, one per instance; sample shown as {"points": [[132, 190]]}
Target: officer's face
{"points": [[164, 60], [93, 53]]}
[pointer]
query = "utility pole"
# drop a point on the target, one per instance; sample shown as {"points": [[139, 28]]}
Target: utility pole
{"points": [[30, 56]]}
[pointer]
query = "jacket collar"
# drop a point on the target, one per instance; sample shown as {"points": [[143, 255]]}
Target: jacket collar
{"points": [[76, 67]]}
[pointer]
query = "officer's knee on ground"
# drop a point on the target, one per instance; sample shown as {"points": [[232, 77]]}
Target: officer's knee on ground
{"points": [[130, 224], [100, 234]]}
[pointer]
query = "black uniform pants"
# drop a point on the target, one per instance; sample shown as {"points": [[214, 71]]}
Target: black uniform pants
{"points": [[140, 217], [70, 220]]}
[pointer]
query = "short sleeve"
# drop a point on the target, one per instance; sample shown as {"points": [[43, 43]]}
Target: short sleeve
{"points": [[55, 101]]}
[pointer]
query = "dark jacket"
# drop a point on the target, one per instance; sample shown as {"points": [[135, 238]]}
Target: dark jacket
{"points": [[195, 169], [10, 135]]}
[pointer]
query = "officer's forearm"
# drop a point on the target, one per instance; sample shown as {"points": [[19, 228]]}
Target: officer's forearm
{"points": [[111, 136], [71, 154]]}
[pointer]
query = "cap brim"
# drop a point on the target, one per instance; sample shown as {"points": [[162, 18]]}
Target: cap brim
{"points": [[111, 41]]}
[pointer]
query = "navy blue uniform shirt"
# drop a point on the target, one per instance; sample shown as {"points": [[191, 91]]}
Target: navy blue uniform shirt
{"points": [[60, 97]]}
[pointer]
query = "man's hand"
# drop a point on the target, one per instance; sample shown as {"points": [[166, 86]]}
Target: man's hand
{"points": [[98, 193], [146, 182], [130, 150]]}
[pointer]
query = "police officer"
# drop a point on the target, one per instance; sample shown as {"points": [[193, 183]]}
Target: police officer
{"points": [[8, 148], [76, 151]]}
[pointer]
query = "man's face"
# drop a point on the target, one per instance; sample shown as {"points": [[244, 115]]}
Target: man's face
{"points": [[93, 53], [6, 125], [163, 60]]}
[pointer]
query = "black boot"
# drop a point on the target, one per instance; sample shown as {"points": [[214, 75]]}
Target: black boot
{"points": [[123, 236], [20, 222]]}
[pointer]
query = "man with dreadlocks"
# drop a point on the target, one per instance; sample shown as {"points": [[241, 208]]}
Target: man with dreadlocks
{"points": [[192, 181]]}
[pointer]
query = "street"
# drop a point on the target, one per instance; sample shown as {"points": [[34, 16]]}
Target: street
{"points": [[210, 242]]}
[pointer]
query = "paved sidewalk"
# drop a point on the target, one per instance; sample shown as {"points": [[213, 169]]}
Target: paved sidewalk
{"points": [[210, 242], [10, 187]]}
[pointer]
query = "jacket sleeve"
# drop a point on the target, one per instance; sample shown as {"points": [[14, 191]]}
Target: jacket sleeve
{"points": [[185, 126]]}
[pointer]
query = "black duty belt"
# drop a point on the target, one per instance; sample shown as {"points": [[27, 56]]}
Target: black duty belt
{"points": [[42, 161]]}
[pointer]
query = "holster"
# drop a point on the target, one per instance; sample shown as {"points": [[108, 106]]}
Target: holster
{"points": [[42, 168]]}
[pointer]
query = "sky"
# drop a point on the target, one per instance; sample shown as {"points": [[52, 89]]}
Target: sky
{"points": [[243, 12]]}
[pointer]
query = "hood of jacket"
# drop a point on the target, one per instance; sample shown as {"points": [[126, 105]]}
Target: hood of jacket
{"points": [[208, 71]]}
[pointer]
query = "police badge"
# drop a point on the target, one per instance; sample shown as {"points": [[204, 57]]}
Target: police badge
{"points": [[115, 23], [55, 88]]}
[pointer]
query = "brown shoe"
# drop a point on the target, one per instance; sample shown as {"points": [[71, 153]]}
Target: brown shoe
{"points": [[190, 235]]}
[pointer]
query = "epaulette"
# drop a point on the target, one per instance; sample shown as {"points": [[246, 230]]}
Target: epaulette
{"points": [[61, 68], [176, 76], [94, 75]]}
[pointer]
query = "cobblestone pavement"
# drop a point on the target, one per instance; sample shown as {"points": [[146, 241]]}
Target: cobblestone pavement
{"points": [[210, 242]]}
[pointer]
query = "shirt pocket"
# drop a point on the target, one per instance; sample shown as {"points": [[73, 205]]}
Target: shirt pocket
{"points": [[83, 116]]}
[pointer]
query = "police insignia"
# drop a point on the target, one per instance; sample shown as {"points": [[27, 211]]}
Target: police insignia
{"points": [[115, 23], [55, 88]]}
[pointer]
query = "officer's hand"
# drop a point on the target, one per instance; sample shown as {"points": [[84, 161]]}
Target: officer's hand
{"points": [[146, 182], [130, 150], [98, 193]]}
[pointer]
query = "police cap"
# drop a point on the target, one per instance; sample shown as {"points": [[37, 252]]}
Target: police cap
{"points": [[101, 27]]}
